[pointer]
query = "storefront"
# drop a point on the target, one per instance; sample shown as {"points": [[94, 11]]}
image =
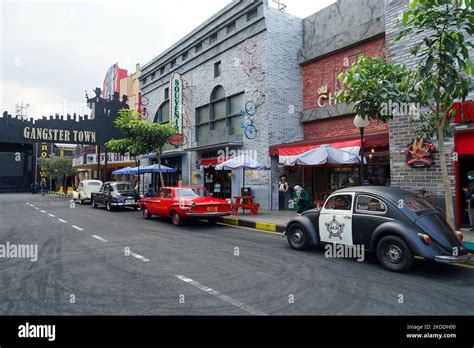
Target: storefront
{"points": [[217, 182], [464, 153]]}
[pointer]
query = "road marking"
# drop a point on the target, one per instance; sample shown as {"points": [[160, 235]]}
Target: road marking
{"points": [[77, 228], [144, 259], [225, 298], [36, 208], [99, 238], [43, 211], [52, 215], [63, 221]]}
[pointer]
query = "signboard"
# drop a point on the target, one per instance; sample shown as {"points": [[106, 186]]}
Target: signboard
{"points": [[43, 153], [419, 154], [464, 112], [176, 102]]}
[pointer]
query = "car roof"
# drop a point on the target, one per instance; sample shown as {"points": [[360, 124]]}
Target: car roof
{"points": [[391, 193], [117, 182], [87, 181], [181, 187]]}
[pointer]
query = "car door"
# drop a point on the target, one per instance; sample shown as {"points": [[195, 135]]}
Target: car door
{"points": [[369, 213], [99, 196], [335, 220], [166, 201], [154, 203]]}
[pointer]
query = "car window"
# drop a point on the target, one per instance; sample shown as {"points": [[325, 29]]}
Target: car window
{"points": [[192, 192], [339, 202], [368, 204], [123, 187], [93, 184], [414, 203], [169, 194], [105, 188]]}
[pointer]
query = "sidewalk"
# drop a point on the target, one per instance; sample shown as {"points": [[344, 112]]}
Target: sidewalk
{"points": [[272, 221]]}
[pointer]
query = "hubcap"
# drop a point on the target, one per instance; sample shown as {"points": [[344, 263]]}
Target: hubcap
{"points": [[393, 253], [298, 236]]}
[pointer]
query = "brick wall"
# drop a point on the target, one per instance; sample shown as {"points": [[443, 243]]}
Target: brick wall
{"points": [[324, 71], [338, 126]]}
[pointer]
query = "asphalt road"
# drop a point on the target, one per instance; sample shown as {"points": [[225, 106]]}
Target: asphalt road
{"points": [[197, 269]]}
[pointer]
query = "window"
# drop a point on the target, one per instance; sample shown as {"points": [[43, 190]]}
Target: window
{"points": [[163, 113], [144, 80], [162, 70], [231, 27], [198, 47], [213, 38], [152, 76], [184, 56], [173, 63], [167, 93], [367, 204], [252, 14], [415, 203], [339, 202], [217, 69]]}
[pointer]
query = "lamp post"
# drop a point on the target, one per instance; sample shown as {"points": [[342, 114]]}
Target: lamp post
{"points": [[361, 123]]}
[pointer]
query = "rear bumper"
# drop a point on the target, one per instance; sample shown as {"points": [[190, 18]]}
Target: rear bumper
{"points": [[455, 259], [207, 215], [119, 204]]}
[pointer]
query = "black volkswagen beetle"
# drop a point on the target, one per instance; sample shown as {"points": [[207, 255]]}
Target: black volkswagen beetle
{"points": [[115, 194], [394, 224]]}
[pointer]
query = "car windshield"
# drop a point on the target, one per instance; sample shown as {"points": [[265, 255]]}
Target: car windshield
{"points": [[414, 203], [192, 192], [94, 184], [124, 187]]}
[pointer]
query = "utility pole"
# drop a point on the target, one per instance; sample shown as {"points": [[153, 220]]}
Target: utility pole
{"points": [[19, 110]]}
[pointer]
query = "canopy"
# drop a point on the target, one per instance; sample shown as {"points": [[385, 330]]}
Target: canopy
{"points": [[289, 155], [241, 162], [144, 169]]}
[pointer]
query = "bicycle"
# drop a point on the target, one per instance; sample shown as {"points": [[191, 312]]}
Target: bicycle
{"points": [[248, 122]]}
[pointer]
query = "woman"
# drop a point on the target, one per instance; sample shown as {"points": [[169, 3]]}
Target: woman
{"points": [[469, 196], [302, 199], [282, 190]]}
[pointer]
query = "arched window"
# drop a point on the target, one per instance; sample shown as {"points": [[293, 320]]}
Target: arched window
{"points": [[218, 108], [217, 93], [163, 113]]}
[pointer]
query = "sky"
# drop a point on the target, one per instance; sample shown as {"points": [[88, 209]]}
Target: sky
{"points": [[52, 51]]}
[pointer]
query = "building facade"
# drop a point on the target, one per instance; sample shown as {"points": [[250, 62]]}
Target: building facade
{"points": [[244, 55]]}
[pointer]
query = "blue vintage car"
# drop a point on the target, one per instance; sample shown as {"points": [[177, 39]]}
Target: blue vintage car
{"points": [[394, 224]]}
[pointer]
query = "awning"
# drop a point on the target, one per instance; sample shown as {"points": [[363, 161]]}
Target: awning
{"points": [[289, 155], [206, 163]]}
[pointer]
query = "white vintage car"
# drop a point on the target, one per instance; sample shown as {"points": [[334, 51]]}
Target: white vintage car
{"points": [[86, 187]]}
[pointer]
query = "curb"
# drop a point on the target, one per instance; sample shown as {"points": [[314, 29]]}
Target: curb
{"points": [[60, 194], [258, 225]]}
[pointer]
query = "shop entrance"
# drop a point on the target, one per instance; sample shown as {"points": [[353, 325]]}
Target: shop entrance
{"points": [[218, 182], [465, 180]]}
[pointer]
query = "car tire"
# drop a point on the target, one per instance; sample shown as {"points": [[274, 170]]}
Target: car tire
{"points": [[94, 204], [394, 254], [146, 214], [109, 207], [176, 219], [297, 237]]}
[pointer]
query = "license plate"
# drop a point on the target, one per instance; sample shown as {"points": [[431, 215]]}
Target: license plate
{"points": [[211, 208], [129, 201]]}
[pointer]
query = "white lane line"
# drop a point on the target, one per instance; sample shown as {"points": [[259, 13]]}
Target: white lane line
{"points": [[77, 228], [52, 215], [144, 259], [225, 298], [43, 211], [63, 221], [99, 238], [36, 208]]}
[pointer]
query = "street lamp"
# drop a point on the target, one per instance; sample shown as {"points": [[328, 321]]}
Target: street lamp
{"points": [[361, 123]]}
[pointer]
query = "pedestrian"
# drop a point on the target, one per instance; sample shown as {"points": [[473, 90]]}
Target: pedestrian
{"points": [[282, 190], [469, 196], [43, 188], [303, 199], [151, 191]]}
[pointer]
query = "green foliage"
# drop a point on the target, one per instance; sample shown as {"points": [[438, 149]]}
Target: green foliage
{"points": [[371, 84], [58, 167]]}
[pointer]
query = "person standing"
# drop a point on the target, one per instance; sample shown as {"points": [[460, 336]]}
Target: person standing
{"points": [[282, 190], [469, 196]]}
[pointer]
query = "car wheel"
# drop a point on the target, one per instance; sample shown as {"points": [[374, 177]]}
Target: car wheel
{"points": [[394, 254], [109, 207], [94, 204], [297, 237], [177, 220], [146, 213]]}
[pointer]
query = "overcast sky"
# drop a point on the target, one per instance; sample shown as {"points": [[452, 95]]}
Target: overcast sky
{"points": [[51, 51]]}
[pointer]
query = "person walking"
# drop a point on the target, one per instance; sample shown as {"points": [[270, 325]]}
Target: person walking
{"points": [[303, 199], [469, 196], [282, 190]]}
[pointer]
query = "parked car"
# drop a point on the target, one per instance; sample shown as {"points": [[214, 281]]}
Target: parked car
{"points": [[115, 194], [85, 189], [392, 223], [185, 203]]}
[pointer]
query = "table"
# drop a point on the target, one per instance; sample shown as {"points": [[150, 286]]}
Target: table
{"points": [[245, 202]]}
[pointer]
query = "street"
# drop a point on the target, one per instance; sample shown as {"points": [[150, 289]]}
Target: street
{"points": [[94, 262]]}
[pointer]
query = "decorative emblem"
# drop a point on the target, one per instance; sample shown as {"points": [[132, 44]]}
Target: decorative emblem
{"points": [[335, 228], [419, 154]]}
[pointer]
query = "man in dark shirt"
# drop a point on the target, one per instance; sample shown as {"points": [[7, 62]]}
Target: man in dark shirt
{"points": [[151, 192], [469, 196]]}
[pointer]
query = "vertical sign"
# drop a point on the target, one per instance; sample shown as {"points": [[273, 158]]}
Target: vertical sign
{"points": [[43, 153], [176, 102]]}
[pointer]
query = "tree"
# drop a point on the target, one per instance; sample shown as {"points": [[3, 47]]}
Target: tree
{"points": [[58, 168], [443, 70], [140, 137]]}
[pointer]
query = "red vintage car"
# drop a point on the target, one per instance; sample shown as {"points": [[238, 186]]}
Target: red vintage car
{"points": [[184, 203]]}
